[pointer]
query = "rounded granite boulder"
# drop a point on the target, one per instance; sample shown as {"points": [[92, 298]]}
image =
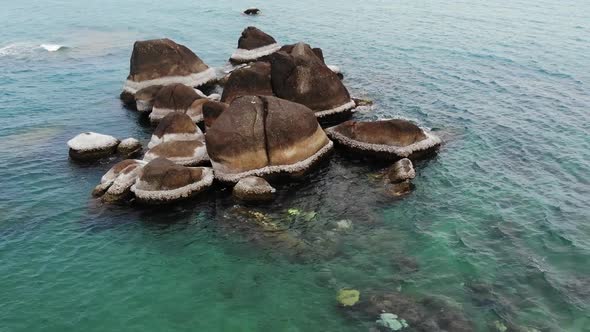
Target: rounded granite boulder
{"points": [[176, 126], [263, 135], [116, 184], [253, 79], [386, 139], [178, 139], [92, 146], [163, 181], [163, 62], [252, 189], [254, 44], [300, 75], [173, 98]]}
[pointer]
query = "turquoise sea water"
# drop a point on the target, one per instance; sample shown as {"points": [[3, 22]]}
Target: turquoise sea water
{"points": [[503, 207]]}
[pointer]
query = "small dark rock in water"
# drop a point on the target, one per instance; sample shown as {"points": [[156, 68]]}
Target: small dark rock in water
{"points": [[401, 170], [253, 188], [399, 189], [252, 11], [362, 102], [406, 264]]}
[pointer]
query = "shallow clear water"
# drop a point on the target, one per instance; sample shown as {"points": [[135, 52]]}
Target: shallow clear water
{"points": [[504, 204]]}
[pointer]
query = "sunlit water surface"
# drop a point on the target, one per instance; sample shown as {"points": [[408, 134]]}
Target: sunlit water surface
{"points": [[504, 206]]}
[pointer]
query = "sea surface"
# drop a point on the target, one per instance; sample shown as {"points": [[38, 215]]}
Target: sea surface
{"points": [[498, 225]]}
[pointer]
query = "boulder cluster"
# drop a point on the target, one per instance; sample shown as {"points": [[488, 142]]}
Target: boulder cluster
{"points": [[268, 122]]}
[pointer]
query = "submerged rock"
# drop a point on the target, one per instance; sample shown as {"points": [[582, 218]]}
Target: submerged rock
{"points": [[347, 297], [115, 185], [299, 75], [253, 79], [164, 62], [387, 139], [253, 188], [391, 322], [164, 181], [129, 147], [257, 136], [254, 44], [92, 146], [173, 98]]}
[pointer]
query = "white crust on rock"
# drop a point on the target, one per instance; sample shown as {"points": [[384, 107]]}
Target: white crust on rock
{"points": [[196, 136], [91, 141], [292, 168], [199, 156], [174, 194], [250, 55], [194, 80], [344, 107]]}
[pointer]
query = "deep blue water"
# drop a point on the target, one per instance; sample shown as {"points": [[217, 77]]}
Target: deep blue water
{"points": [[504, 204]]}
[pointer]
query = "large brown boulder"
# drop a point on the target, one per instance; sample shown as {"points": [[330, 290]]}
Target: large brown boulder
{"points": [[172, 98], [163, 62], [386, 139], [299, 75], [251, 80], [115, 185], [163, 181], [253, 45], [262, 135]]}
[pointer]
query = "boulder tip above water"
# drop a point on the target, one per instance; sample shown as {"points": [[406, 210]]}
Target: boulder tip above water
{"points": [[92, 146], [254, 44], [300, 75], [174, 98], [163, 181], [386, 139], [116, 184], [264, 135], [252, 189], [252, 11], [163, 62]]}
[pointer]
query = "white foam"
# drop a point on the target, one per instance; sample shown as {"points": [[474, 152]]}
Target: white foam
{"points": [[249, 55], [173, 194], [196, 136], [293, 168], [92, 141], [195, 79], [430, 141], [51, 47], [344, 107]]}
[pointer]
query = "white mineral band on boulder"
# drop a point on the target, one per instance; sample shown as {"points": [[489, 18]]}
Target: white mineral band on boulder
{"points": [[172, 194], [193, 80], [246, 55], [345, 107], [293, 168], [155, 140]]}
